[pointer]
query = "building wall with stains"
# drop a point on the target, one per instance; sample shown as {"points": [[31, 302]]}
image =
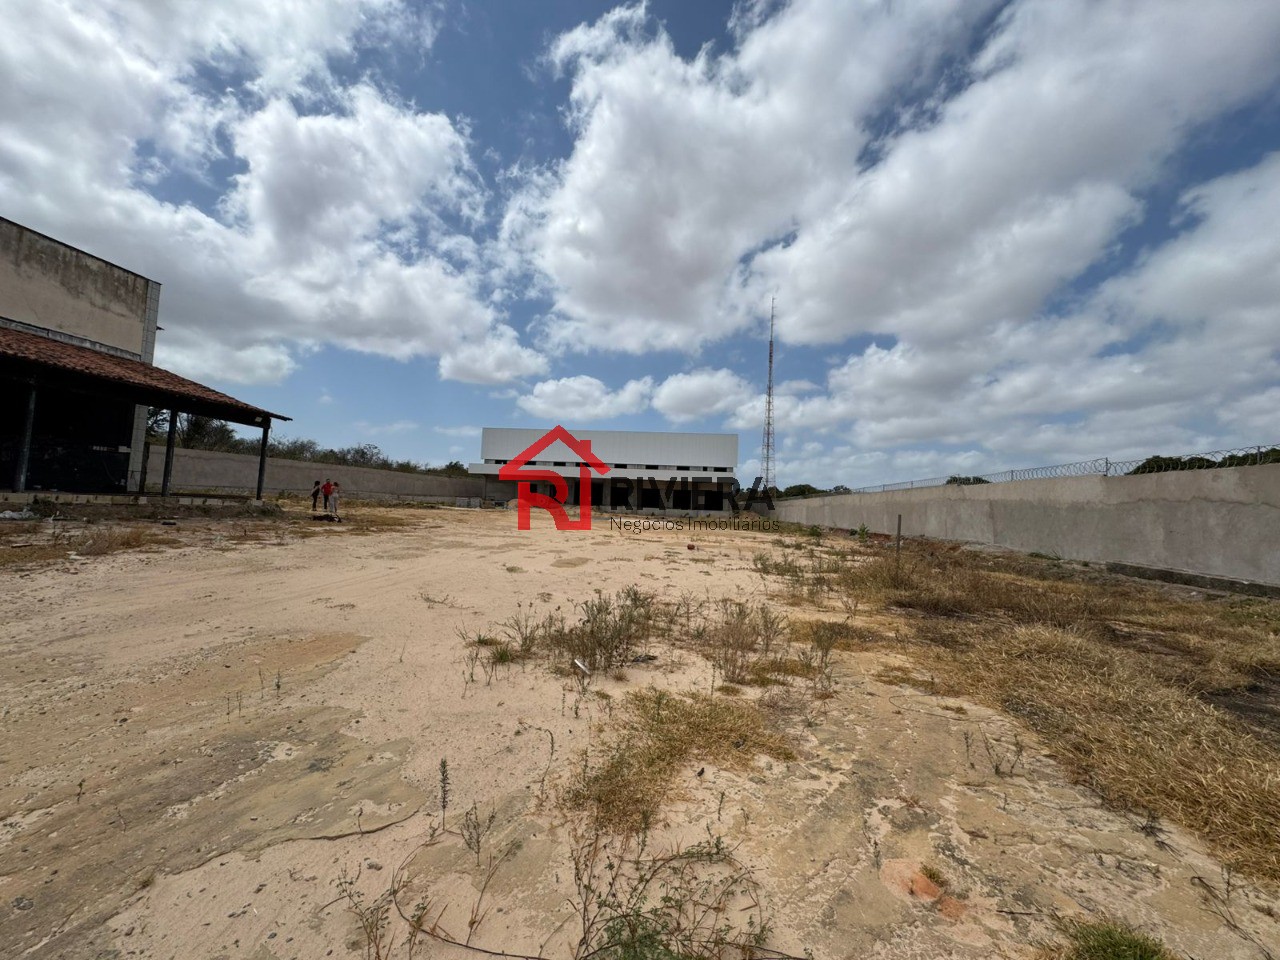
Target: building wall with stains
{"points": [[55, 287]]}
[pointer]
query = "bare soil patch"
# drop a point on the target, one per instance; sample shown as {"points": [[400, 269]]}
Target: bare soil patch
{"points": [[235, 745]]}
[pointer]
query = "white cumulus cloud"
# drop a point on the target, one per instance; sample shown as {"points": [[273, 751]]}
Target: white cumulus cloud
{"points": [[700, 393], [583, 398], [350, 220]]}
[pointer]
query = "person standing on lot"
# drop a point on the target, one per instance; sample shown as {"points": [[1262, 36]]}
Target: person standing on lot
{"points": [[327, 490], [333, 501], [315, 496]]}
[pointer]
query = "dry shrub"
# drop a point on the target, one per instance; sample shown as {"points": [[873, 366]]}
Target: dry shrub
{"points": [[694, 903], [609, 631], [811, 572], [732, 643], [831, 634], [658, 735], [740, 639], [99, 542]]}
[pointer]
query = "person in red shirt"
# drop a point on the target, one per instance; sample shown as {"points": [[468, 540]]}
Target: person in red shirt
{"points": [[327, 490]]}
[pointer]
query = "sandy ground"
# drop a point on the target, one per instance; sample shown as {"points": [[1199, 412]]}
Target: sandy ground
{"points": [[199, 741]]}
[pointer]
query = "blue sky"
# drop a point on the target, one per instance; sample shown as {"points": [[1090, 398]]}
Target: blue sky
{"points": [[998, 233]]}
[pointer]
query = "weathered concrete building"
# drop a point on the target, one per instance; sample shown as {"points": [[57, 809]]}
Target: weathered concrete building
{"points": [[77, 339]]}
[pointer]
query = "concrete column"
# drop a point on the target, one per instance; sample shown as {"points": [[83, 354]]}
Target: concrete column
{"points": [[169, 444], [142, 473], [631, 486], [606, 493], [262, 457], [137, 449], [24, 442]]}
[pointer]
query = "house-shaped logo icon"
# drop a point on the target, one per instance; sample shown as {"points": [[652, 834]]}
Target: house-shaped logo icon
{"points": [[518, 469]]}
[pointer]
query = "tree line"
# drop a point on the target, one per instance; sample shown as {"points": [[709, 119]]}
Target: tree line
{"points": [[806, 490], [207, 433]]}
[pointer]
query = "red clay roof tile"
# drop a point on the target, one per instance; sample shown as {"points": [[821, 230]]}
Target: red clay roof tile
{"points": [[47, 352]]}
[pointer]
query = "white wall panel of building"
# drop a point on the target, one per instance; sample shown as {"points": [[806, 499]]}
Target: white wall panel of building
{"points": [[644, 454]]}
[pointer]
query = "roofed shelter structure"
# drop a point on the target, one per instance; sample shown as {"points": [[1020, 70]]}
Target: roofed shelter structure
{"points": [[77, 337]]}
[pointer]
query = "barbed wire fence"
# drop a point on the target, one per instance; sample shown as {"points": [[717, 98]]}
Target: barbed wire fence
{"points": [[1102, 466]]}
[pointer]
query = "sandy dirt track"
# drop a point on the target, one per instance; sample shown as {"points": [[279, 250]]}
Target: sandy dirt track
{"points": [[198, 741]]}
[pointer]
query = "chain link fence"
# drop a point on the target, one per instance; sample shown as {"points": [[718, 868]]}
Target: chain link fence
{"points": [[1104, 467]]}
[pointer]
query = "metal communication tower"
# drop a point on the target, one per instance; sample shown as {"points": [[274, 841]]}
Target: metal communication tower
{"points": [[766, 448]]}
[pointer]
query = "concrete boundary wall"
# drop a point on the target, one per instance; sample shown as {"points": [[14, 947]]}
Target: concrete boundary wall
{"points": [[235, 473], [1221, 522]]}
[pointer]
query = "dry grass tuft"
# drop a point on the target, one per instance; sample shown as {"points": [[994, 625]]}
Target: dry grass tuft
{"points": [[1105, 940], [96, 543], [33, 545], [658, 735], [932, 873], [832, 634]]}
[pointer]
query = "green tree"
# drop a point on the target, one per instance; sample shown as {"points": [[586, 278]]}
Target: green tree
{"points": [[800, 490], [205, 433], [454, 468]]}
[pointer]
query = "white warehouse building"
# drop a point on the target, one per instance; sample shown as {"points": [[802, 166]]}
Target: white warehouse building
{"points": [[649, 471]]}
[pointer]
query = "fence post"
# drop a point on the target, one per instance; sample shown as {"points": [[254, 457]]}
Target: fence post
{"points": [[262, 457], [897, 551], [1106, 466]]}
